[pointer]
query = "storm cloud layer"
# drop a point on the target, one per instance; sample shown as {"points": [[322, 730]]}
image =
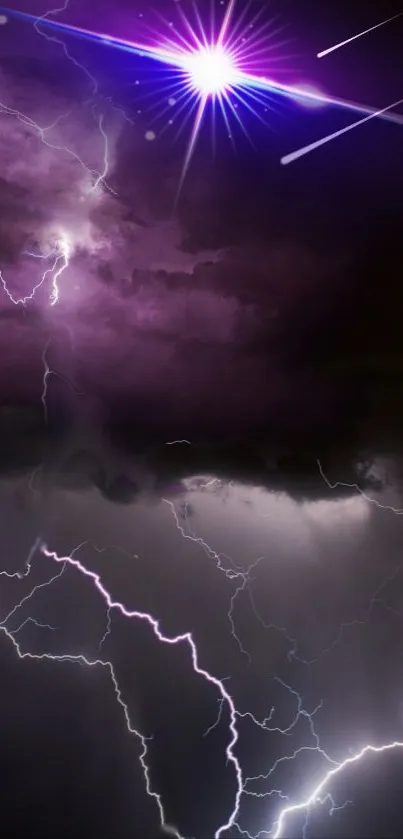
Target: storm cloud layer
{"points": [[255, 335], [200, 419]]}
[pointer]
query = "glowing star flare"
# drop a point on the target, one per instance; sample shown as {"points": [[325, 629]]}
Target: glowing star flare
{"points": [[211, 71], [224, 69]]}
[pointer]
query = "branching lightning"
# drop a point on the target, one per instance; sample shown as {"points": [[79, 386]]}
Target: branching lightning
{"points": [[92, 662], [244, 785], [42, 132], [368, 498], [47, 373], [52, 39], [315, 797], [61, 253], [186, 639], [209, 72], [63, 246], [243, 577]]}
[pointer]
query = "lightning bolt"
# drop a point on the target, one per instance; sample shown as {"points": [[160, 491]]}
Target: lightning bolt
{"points": [[98, 179], [243, 576], [185, 639], [300, 712], [47, 372], [42, 131], [63, 246], [266, 724], [277, 831], [368, 498], [52, 39], [11, 627], [19, 575], [375, 599], [29, 596], [97, 662], [232, 572], [61, 262]]}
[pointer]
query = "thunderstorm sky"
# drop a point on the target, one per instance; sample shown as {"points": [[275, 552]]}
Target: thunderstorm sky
{"points": [[200, 418]]}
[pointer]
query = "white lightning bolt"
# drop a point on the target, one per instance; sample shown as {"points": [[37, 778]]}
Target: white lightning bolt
{"points": [[300, 712], [53, 39], [232, 573], [42, 131], [19, 575], [186, 639], [320, 795], [358, 489], [99, 177], [225, 699], [61, 262], [47, 372], [63, 247], [82, 659], [374, 600], [97, 662], [314, 798]]}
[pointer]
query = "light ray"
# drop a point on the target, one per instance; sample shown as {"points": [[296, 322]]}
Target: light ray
{"points": [[193, 139], [220, 68], [295, 155], [177, 56], [359, 35], [226, 22]]}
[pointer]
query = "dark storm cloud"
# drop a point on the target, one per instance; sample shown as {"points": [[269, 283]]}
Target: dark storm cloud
{"points": [[149, 316], [80, 455], [234, 320]]}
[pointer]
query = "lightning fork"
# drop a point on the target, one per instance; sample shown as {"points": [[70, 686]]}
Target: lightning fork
{"points": [[186, 639], [314, 798]]}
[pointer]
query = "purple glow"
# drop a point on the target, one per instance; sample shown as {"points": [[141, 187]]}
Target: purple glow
{"points": [[222, 68], [312, 98]]}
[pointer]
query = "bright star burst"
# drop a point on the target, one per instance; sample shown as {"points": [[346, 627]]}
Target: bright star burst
{"points": [[220, 68]]}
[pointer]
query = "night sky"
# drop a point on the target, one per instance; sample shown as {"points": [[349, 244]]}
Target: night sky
{"points": [[201, 449]]}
